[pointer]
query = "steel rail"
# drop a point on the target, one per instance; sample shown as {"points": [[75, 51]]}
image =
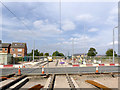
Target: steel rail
{"points": [[72, 86], [51, 85]]}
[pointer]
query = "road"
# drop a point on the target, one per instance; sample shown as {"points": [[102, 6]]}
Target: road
{"points": [[61, 70]]}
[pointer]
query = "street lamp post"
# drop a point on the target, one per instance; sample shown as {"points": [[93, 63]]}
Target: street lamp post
{"points": [[113, 42]]}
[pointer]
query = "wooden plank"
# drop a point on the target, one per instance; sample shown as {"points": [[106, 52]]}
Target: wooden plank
{"points": [[36, 87], [98, 85]]}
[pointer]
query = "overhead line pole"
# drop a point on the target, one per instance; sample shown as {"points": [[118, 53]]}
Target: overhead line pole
{"points": [[72, 48], [114, 44], [19, 20], [33, 49]]}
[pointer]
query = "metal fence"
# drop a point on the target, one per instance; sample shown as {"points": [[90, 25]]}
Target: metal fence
{"points": [[80, 60], [96, 59], [18, 60]]}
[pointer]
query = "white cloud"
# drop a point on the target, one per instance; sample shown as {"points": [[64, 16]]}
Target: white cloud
{"points": [[113, 17], [85, 17], [45, 26], [27, 34], [93, 30], [111, 20], [80, 38], [111, 43], [114, 10], [68, 25]]}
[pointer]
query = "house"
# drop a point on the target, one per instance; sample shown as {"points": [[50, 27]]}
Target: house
{"points": [[18, 49], [80, 55], [5, 56], [5, 47]]}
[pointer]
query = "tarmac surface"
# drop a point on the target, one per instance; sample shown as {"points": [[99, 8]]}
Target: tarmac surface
{"points": [[61, 70]]}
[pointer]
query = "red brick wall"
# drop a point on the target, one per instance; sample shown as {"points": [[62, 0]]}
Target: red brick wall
{"points": [[17, 52], [3, 50]]}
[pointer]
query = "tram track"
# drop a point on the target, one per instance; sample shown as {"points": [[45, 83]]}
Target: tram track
{"points": [[56, 82]]}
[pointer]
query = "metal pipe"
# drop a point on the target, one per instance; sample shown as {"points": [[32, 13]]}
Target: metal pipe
{"points": [[113, 44]]}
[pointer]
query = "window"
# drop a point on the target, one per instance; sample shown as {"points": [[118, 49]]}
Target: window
{"points": [[5, 49], [0, 49], [19, 50], [19, 55], [13, 50]]}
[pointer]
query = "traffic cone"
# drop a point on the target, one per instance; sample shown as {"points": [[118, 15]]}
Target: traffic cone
{"points": [[96, 69], [19, 71], [23, 66], [42, 69]]}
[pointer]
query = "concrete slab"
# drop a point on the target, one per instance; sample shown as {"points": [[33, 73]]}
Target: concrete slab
{"points": [[76, 85], [47, 82], [61, 82]]}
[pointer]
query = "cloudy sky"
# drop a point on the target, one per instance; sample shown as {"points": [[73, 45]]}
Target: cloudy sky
{"points": [[90, 24]]}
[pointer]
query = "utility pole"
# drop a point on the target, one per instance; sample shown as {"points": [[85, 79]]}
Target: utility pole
{"points": [[114, 43], [84, 44], [33, 49], [72, 48], [68, 55]]}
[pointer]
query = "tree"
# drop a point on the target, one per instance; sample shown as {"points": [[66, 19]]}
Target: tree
{"points": [[56, 53], [46, 54], [109, 52], [41, 54], [61, 54], [92, 52], [36, 53]]}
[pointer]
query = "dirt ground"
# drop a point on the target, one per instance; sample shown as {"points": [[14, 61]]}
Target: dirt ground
{"points": [[35, 80], [107, 80]]}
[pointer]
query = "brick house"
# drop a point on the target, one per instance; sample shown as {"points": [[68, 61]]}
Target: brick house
{"points": [[5, 48], [18, 49]]}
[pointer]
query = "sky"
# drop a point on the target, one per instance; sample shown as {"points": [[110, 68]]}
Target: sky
{"points": [[88, 24]]}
